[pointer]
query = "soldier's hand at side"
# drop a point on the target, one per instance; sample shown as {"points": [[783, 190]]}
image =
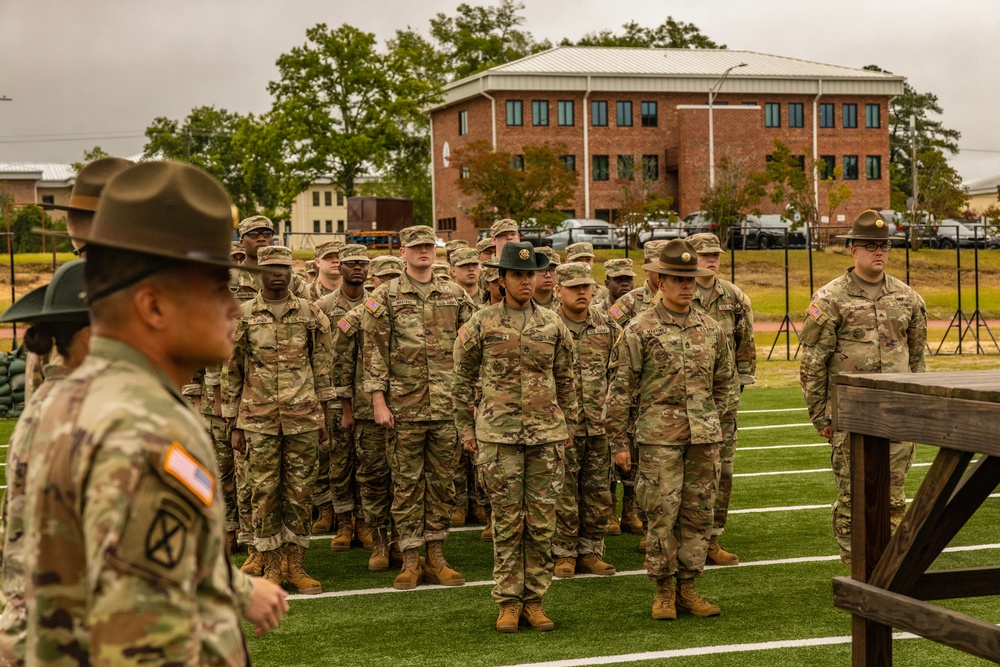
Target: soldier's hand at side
{"points": [[568, 443], [217, 403], [383, 416], [826, 432], [347, 421], [623, 460], [324, 434], [239, 441], [470, 446], [268, 605], [196, 403]]}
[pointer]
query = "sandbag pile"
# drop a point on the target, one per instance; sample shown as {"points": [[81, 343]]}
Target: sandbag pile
{"points": [[12, 381]]}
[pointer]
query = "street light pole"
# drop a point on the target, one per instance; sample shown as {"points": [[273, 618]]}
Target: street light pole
{"points": [[712, 92]]}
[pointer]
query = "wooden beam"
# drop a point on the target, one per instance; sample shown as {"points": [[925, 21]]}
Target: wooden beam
{"points": [[951, 628], [949, 584]]}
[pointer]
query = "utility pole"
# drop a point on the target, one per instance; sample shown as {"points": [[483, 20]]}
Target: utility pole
{"points": [[712, 92], [913, 167]]}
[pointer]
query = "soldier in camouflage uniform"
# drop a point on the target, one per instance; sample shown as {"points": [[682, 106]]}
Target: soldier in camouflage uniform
{"points": [[584, 252], [441, 270], [237, 253], [545, 282], [126, 541], [274, 389], [493, 294], [384, 268], [674, 364], [328, 278], [486, 249], [584, 506], [257, 232], [312, 271], [451, 246], [336, 488], [725, 303], [409, 327], [523, 357], [618, 279], [863, 322]]}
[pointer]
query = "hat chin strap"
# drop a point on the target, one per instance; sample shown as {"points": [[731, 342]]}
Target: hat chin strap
{"points": [[160, 264]]}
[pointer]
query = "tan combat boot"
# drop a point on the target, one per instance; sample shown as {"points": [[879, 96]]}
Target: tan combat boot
{"points": [[364, 534], [297, 576], [411, 573], [345, 532], [254, 564], [272, 566], [507, 620], [688, 601], [631, 523], [325, 521], [379, 560], [233, 543], [614, 528], [642, 545], [663, 601], [457, 517], [594, 564], [395, 555], [719, 556], [565, 567], [480, 514], [487, 534], [535, 616], [437, 570]]}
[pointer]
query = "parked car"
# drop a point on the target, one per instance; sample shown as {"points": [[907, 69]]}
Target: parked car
{"points": [[698, 223], [575, 230], [767, 231], [665, 229], [538, 236], [899, 230], [951, 233]]}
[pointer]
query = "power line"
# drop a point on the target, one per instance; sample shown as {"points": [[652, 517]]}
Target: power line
{"points": [[73, 138]]}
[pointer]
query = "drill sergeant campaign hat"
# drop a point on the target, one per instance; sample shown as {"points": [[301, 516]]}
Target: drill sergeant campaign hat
{"points": [[572, 274], [520, 256], [90, 182], [328, 248], [706, 244], [416, 235], [580, 250], [618, 267], [255, 222], [503, 226], [354, 252], [869, 226], [464, 256], [678, 258], [551, 254], [385, 266], [59, 301], [274, 255]]}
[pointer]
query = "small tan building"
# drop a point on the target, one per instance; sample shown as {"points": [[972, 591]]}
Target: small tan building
{"points": [[983, 194]]}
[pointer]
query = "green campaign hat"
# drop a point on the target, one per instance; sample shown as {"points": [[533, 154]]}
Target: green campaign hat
{"points": [[520, 256], [59, 301]]}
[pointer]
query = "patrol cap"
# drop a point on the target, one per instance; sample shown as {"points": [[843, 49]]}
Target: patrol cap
{"points": [[706, 244], [455, 244], [651, 251], [491, 275], [59, 301], [678, 258], [441, 269], [579, 251], [572, 274], [464, 256], [520, 256], [503, 226], [483, 244], [274, 255], [354, 252], [618, 267], [416, 235], [385, 265], [311, 266], [328, 248], [90, 182], [869, 226], [237, 249], [550, 253], [255, 222]]}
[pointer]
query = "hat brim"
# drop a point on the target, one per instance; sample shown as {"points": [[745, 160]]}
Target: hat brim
{"points": [[581, 255], [542, 262], [196, 258], [618, 274], [28, 306], [861, 238], [66, 207], [716, 250], [576, 282], [684, 273]]}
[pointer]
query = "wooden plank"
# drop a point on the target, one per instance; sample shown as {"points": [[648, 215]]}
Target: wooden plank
{"points": [[895, 571], [951, 628], [964, 583], [953, 423], [969, 385]]}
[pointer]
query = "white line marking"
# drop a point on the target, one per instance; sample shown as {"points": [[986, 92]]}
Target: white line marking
{"points": [[796, 508], [759, 428], [761, 412], [810, 444], [803, 472]]}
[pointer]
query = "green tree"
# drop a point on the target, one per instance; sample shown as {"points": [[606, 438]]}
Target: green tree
{"points": [[637, 202], [535, 186], [939, 187], [94, 153], [736, 194], [671, 34]]}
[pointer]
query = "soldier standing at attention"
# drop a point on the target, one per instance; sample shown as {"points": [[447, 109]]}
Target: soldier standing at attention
{"points": [[126, 543], [493, 290], [504, 231], [675, 365], [409, 329], [618, 277], [274, 387], [451, 246], [486, 249], [862, 322], [725, 303], [523, 357], [584, 252], [328, 278], [257, 232], [465, 270], [545, 282], [336, 487], [584, 506]]}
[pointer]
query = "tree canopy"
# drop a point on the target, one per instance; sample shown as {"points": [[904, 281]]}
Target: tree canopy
{"points": [[671, 34]]}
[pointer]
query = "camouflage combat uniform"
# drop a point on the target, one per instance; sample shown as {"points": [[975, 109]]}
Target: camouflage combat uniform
{"points": [[845, 331], [126, 537], [525, 415], [467, 487], [679, 375]]}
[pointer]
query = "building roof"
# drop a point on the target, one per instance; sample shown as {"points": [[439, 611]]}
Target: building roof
{"points": [[983, 186], [48, 174], [621, 69]]}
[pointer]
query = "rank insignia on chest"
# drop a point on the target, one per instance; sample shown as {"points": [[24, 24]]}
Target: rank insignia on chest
{"points": [[344, 325], [372, 305], [616, 312], [190, 473], [463, 335], [814, 311]]}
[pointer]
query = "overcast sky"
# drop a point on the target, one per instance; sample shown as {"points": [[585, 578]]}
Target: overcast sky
{"points": [[97, 72]]}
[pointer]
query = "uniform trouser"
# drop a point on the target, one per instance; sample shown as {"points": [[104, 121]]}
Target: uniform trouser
{"points": [[900, 458], [227, 467], [282, 473], [422, 459], [372, 473], [523, 482], [676, 486], [583, 509], [335, 463], [466, 487], [244, 497], [724, 485]]}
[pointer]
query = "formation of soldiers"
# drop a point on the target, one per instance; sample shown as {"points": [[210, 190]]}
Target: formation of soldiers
{"points": [[385, 400]]}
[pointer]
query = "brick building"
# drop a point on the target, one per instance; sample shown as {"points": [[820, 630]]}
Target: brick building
{"points": [[644, 113]]}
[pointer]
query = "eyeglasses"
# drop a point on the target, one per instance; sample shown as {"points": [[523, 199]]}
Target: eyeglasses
{"points": [[873, 247], [257, 233], [548, 272], [351, 263]]}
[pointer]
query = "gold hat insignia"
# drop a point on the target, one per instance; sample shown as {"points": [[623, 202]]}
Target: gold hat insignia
{"points": [[524, 254], [686, 257], [879, 224]]}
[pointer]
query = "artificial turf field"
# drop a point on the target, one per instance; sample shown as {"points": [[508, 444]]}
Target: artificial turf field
{"points": [[777, 606]]}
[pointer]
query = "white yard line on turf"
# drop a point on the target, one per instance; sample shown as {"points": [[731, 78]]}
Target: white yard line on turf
{"points": [[627, 573], [760, 412], [808, 444], [759, 428], [803, 472]]}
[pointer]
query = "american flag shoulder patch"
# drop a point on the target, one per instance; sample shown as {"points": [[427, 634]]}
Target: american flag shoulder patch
{"points": [[372, 305], [189, 472], [463, 334], [344, 325], [814, 311], [616, 312]]}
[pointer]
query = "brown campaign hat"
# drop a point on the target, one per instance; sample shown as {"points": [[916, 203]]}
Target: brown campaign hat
{"points": [[90, 182], [869, 226], [706, 244], [678, 258], [520, 256]]}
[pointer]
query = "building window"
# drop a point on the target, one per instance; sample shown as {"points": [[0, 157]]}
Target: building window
{"points": [[565, 111], [463, 171], [48, 199], [569, 161], [515, 110], [850, 115], [328, 198], [340, 225], [599, 113], [607, 214], [748, 104], [850, 167], [873, 167], [570, 213], [650, 167], [873, 116], [826, 115], [315, 197], [626, 167], [648, 112], [446, 224], [772, 114], [600, 168], [826, 166], [623, 113], [340, 199], [316, 226], [795, 115], [540, 112], [517, 162], [463, 123], [329, 226]]}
